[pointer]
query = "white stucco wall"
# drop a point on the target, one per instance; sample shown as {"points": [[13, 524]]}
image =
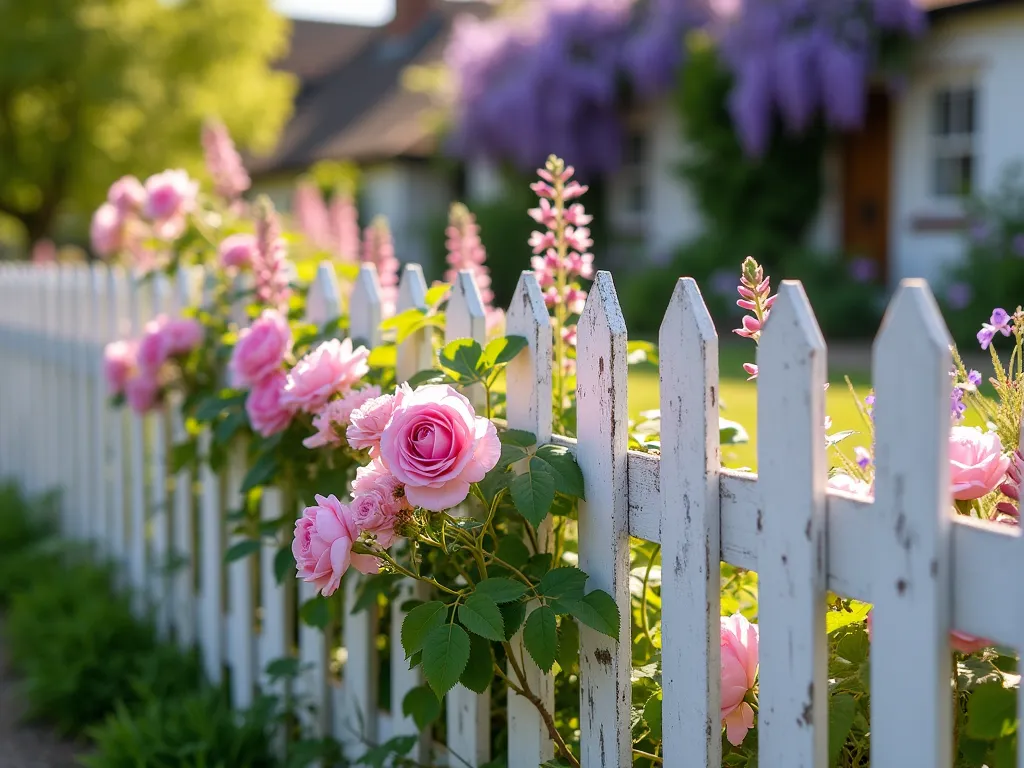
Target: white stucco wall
{"points": [[984, 47]]}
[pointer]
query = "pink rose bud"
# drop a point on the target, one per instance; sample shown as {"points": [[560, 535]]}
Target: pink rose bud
{"points": [[436, 445], [332, 367], [127, 195], [106, 232], [976, 462], [372, 514], [261, 349], [739, 671], [118, 364], [239, 251], [267, 414], [322, 545], [334, 417]]}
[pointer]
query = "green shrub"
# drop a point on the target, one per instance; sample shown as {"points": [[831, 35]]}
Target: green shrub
{"points": [[82, 650], [198, 729]]}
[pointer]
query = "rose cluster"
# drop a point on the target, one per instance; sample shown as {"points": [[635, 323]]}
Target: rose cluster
{"points": [[139, 369], [427, 445]]}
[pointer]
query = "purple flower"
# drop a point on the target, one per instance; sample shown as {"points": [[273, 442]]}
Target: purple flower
{"points": [[863, 456], [985, 335], [863, 270], [981, 232], [998, 323], [959, 295], [974, 378], [956, 404], [1017, 245], [869, 401]]}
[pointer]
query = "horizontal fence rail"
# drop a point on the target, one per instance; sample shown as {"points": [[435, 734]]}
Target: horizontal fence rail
{"points": [[926, 570]]}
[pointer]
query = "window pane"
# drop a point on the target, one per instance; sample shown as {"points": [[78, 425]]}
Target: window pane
{"points": [[962, 108], [637, 201], [634, 148], [965, 175], [941, 107], [972, 106]]}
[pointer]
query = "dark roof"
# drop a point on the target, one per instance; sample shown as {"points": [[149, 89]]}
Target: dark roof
{"points": [[938, 8], [351, 102]]}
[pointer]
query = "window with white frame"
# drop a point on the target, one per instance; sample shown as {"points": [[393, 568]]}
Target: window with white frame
{"points": [[954, 140], [630, 192]]}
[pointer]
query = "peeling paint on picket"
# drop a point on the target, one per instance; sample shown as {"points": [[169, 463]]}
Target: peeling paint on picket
{"points": [[800, 537]]}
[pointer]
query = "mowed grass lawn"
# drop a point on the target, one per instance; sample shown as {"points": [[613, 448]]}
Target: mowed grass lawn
{"points": [[739, 401]]}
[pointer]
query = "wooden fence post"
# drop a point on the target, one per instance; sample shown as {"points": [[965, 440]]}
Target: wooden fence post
{"points": [[602, 441]]}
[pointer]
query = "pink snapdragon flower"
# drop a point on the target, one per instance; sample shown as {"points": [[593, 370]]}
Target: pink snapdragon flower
{"points": [[310, 213], [261, 349], [118, 365], [239, 251], [322, 545], [976, 462], [267, 414], [270, 263], [223, 162], [379, 250], [343, 226], [755, 296], [436, 445], [739, 648], [333, 367], [331, 421]]}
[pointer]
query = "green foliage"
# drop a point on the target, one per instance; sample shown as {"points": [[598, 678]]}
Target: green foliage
{"points": [[993, 271], [25, 545], [445, 655], [199, 728], [93, 89]]}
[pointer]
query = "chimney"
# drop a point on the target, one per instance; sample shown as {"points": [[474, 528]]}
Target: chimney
{"points": [[409, 14]]}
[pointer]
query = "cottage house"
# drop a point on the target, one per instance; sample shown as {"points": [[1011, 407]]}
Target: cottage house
{"points": [[894, 189]]}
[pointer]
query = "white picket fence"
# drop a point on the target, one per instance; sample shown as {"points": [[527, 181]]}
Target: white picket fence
{"points": [[924, 569]]}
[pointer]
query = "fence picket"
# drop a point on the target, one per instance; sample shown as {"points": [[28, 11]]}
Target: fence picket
{"points": [[137, 470], [98, 307], [690, 528], [273, 642], [792, 559], [912, 553], [601, 429], [158, 522], [116, 421], [240, 573], [528, 407], [83, 355], [414, 354], [364, 307]]}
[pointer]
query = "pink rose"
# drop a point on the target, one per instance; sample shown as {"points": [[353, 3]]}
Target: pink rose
{"points": [[170, 195], [183, 334], [436, 445], [127, 195], [118, 364], [106, 232], [960, 641], [847, 484], [332, 367], [267, 414], [238, 251], [976, 462], [330, 422], [368, 422], [261, 348], [739, 670], [375, 478], [154, 348], [371, 513], [322, 546], [141, 391]]}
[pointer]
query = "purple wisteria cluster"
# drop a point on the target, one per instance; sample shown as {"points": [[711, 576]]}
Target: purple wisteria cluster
{"points": [[547, 77], [800, 59]]}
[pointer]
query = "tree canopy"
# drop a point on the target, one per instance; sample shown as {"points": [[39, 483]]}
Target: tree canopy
{"points": [[94, 89]]}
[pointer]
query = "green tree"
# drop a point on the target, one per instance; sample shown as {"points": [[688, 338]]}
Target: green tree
{"points": [[93, 89]]}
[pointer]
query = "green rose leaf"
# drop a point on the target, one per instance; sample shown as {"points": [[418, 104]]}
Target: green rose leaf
{"points": [[315, 612], [842, 711], [479, 670], [534, 491], [731, 432], [419, 622], [480, 615], [565, 582], [241, 549], [519, 437], [461, 357], [445, 655], [568, 645], [284, 563], [501, 590], [422, 706], [597, 610], [540, 636], [261, 472], [991, 712], [567, 473], [512, 615], [502, 351], [513, 551], [652, 716]]}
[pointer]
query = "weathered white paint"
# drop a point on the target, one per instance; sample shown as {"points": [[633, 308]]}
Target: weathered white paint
{"points": [[690, 531], [983, 47], [241, 655], [137, 548], [115, 423], [159, 519], [601, 421], [528, 407], [273, 640], [912, 554], [793, 694], [211, 558], [365, 307], [97, 330]]}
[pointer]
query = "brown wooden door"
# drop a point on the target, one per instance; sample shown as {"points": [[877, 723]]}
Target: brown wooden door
{"points": [[866, 183]]}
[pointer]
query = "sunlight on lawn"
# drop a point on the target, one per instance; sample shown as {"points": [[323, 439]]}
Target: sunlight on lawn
{"points": [[739, 403]]}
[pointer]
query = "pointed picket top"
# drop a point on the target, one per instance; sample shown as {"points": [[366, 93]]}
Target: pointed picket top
{"points": [[911, 364], [465, 317], [364, 307], [323, 302], [690, 529], [792, 559], [412, 288], [602, 309], [528, 389]]}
